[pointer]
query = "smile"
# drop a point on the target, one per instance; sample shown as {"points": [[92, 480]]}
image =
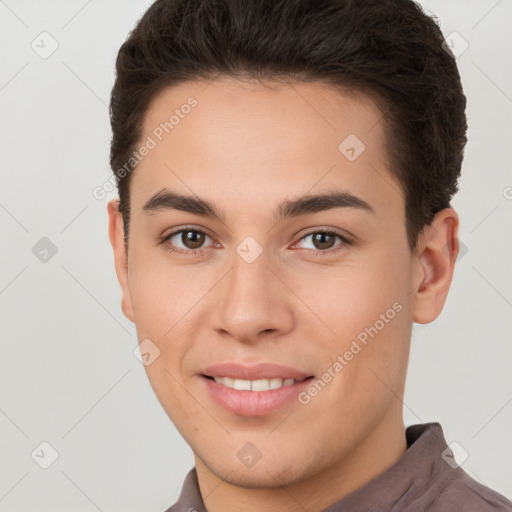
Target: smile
{"points": [[253, 397], [255, 385]]}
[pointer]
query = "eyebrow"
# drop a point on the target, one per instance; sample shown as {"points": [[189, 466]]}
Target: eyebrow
{"points": [[166, 199]]}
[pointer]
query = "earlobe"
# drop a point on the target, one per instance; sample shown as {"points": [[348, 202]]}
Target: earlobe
{"points": [[437, 251], [116, 235]]}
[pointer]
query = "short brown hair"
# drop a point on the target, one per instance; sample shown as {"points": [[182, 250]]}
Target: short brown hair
{"points": [[389, 49]]}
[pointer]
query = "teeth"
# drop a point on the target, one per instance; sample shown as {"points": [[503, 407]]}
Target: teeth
{"points": [[255, 385]]}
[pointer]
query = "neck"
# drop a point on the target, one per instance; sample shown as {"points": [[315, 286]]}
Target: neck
{"points": [[371, 457]]}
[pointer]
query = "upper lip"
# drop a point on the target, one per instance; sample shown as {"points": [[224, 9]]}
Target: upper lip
{"points": [[254, 371]]}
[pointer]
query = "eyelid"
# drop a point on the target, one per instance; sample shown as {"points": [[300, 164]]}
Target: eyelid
{"points": [[164, 238], [345, 241], [326, 229], [187, 227]]}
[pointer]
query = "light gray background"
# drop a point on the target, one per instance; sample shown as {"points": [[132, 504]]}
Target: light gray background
{"points": [[67, 372]]}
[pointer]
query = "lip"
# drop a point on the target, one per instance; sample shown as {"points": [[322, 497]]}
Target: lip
{"points": [[253, 403], [254, 372]]}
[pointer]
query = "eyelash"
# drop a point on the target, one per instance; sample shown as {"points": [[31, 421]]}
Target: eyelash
{"points": [[318, 252]]}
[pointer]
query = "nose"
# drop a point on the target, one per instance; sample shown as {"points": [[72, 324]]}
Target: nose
{"points": [[252, 302]]}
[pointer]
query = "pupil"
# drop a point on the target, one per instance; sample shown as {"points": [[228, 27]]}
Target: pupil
{"points": [[193, 239], [320, 237]]}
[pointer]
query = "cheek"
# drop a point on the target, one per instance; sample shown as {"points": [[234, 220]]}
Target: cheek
{"points": [[366, 306], [375, 328], [162, 293], [353, 297]]}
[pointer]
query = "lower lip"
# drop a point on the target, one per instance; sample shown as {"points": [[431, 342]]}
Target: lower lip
{"points": [[253, 403]]}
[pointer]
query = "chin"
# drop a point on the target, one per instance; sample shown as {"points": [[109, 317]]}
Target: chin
{"points": [[260, 476]]}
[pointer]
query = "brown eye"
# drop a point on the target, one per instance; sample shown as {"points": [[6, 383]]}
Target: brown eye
{"points": [[323, 240], [185, 240], [192, 239], [323, 243]]}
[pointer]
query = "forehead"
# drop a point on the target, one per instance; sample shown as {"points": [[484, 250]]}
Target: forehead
{"points": [[271, 138], [265, 109]]}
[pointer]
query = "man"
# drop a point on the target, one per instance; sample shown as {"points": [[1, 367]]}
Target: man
{"points": [[285, 171]]}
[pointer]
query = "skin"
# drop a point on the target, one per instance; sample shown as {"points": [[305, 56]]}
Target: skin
{"points": [[246, 147]]}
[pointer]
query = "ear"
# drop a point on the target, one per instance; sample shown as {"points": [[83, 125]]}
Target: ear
{"points": [[116, 234], [435, 256]]}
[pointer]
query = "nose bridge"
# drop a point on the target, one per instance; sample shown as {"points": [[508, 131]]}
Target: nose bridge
{"points": [[250, 273]]}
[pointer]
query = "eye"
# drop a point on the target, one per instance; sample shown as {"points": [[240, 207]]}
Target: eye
{"points": [[189, 241], [185, 241], [324, 242]]}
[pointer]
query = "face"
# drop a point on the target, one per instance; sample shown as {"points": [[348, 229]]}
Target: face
{"points": [[325, 287]]}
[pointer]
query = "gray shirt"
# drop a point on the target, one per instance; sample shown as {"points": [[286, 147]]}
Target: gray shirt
{"points": [[425, 478]]}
